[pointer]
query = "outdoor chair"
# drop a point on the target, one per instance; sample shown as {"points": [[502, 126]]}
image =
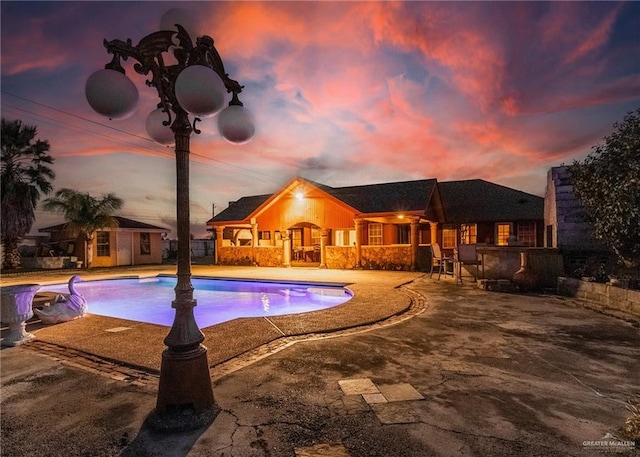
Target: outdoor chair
{"points": [[438, 260], [466, 254]]}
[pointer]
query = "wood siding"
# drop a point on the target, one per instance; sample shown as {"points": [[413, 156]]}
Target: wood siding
{"points": [[314, 208]]}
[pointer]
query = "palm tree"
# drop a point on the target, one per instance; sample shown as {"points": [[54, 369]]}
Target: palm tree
{"points": [[85, 214], [25, 177]]}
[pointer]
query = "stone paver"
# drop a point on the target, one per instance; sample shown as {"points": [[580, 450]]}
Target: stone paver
{"points": [[400, 392], [374, 398], [358, 386]]}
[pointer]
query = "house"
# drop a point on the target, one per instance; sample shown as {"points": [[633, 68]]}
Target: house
{"points": [[131, 243], [377, 226]]}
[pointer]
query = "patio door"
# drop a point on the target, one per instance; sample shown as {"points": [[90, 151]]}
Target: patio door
{"points": [[124, 252]]}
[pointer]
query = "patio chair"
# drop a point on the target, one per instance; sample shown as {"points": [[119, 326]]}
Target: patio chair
{"points": [[438, 260], [466, 254]]}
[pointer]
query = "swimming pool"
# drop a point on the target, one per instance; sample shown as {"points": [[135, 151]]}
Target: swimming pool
{"points": [[218, 300]]}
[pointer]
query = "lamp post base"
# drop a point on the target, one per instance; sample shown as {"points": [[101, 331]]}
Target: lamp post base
{"points": [[185, 395]]}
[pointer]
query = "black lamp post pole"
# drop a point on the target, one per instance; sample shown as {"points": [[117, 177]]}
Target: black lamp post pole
{"points": [[184, 374]]}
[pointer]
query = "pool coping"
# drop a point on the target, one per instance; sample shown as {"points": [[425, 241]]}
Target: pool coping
{"points": [[377, 297]]}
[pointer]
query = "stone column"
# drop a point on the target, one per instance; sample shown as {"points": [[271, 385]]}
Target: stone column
{"points": [[219, 232], [358, 226], [434, 232], [254, 239], [286, 244], [324, 235], [414, 235]]}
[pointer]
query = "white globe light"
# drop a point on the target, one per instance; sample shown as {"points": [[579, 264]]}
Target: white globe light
{"points": [[111, 94], [159, 132], [200, 90], [180, 16], [236, 124]]}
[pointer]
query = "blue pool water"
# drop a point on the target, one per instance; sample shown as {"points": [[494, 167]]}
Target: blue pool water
{"points": [[149, 299]]}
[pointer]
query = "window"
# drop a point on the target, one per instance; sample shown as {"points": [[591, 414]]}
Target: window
{"points": [[344, 237], [375, 234], [503, 232], [403, 234], [265, 235], [296, 237], [145, 244], [102, 242], [448, 237], [527, 233], [468, 233], [315, 237]]}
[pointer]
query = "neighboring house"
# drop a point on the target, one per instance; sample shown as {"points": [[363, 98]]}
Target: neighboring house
{"points": [[131, 243], [378, 226], [566, 222], [567, 226]]}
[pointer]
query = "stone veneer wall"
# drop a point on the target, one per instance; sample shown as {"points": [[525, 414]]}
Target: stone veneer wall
{"points": [[235, 255], [386, 258], [341, 257], [337, 257], [604, 295], [269, 256]]}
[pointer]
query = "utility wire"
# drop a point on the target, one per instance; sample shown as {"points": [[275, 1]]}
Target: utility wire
{"points": [[264, 177]]}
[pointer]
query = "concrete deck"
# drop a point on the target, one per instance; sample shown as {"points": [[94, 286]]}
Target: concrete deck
{"points": [[94, 334], [409, 367]]}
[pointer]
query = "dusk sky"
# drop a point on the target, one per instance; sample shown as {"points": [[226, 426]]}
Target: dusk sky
{"points": [[343, 93]]}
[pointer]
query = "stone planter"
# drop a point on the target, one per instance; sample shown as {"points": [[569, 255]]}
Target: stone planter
{"points": [[16, 311]]}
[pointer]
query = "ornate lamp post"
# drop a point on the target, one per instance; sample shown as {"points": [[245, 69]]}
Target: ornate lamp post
{"points": [[197, 84]]}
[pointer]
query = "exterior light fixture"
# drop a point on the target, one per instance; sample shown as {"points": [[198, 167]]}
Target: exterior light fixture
{"points": [[299, 192], [200, 90], [157, 130], [196, 85], [111, 93], [236, 123]]}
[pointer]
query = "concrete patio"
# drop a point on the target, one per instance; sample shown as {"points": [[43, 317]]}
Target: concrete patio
{"points": [[409, 367]]}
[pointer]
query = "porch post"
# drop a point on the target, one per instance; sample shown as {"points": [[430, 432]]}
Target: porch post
{"points": [[434, 232], [358, 225], [254, 239], [219, 232], [286, 244], [415, 221], [324, 234]]}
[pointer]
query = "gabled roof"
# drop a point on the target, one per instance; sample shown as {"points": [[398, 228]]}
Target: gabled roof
{"points": [[123, 223], [476, 200], [367, 199], [240, 210], [472, 200]]}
